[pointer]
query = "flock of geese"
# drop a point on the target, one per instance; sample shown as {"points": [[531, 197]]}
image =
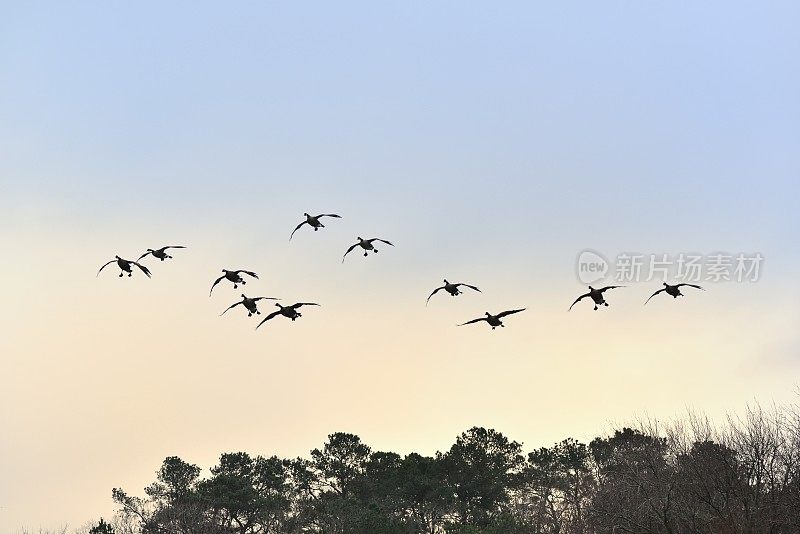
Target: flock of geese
{"points": [[290, 312]]}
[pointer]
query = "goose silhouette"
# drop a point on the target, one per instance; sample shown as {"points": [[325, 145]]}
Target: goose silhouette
{"points": [[596, 295], [233, 276], [314, 222], [249, 303], [367, 245], [287, 311], [125, 267], [674, 291], [493, 320], [452, 289], [160, 253]]}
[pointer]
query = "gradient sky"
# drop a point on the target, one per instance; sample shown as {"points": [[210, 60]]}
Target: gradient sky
{"points": [[490, 142]]}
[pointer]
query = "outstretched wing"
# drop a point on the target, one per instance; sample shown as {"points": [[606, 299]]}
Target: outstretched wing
{"points": [[173, 246], [143, 255], [479, 319], [103, 267], [509, 312], [471, 287], [231, 306], [251, 273], [144, 269], [268, 317], [653, 295], [609, 287], [433, 293], [578, 300], [349, 250], [296, 229], [217, 281], [297, 305], [381, 240], [264, 298], [329, 215], [690, 285]]}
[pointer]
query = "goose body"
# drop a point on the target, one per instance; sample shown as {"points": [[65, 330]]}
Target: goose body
{"points": [[673, 290], [596, 294], [493, 320], [366, 245], [290, 312], [125, 266], [234, 277], [452, 289], [250, 304], [314, 222], [160, 253]]}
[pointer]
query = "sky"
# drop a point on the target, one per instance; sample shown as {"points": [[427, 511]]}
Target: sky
{"points": [[491, 142]]}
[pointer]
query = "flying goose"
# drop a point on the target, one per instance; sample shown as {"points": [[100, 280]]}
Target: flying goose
{"points": [[596, 295], [234, 277], [160, 253], [674, 291], [287, 311], [366, 244], [249, 303], [125, 265], [314, 222], [493, 320], [451, 288]]}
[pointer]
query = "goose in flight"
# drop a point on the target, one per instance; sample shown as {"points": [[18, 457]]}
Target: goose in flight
{"points": [[367, 245], [125, 266], [287, 311], [314, 222], [160, 253], [234, 277], [674, 291], [451, 288], [493, 320], [596, 295], [249, 303]]}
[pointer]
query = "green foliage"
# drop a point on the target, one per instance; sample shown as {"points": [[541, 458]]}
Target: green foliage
{"points": [[628, 482]]}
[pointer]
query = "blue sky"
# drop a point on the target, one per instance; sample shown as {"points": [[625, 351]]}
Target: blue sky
{"points": [[491, 141]]}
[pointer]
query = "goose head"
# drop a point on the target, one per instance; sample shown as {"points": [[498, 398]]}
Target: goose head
{"points": [[591, 288], [243, 296], [665, 284], [306, 215], [488, 314], [446, 282], [118, 257]]}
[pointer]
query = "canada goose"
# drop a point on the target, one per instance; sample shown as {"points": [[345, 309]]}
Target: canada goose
{"points": [[314, 222], [125, 265], [249, 303], [674, 291], [287, 311], [366, 244], [596, 295], [493, 320], [160, 253], [234, 277], [451, 288]]}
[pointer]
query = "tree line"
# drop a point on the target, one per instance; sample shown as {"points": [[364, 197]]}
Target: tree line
{"points": [[688, 478]]}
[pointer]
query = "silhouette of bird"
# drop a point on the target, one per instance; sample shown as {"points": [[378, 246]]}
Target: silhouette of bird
{"points": [[596, 295], [314, 222], [249, 303], [287, 311], [451, 288], [674, 291], [234, 277], [367, 245], [493, 320], [125, 265], [160, 253]]}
